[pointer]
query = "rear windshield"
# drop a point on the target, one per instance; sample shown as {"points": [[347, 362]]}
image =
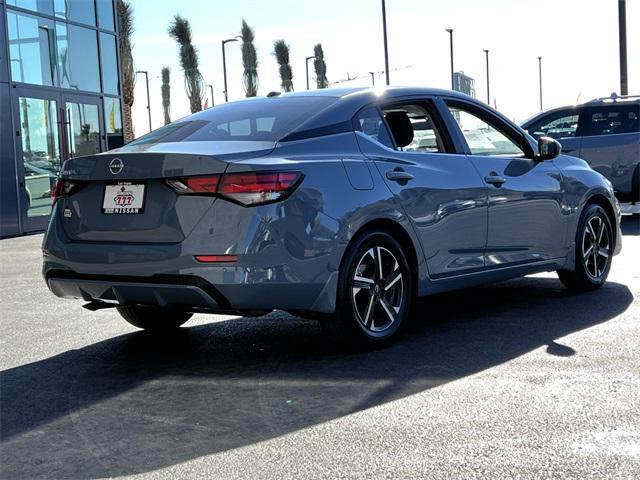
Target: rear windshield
{"points": [[260, 119]]}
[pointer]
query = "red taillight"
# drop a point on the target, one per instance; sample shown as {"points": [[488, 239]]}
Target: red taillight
{"points": [[216, 258], [62, 188], [251, 188], [257, 187], [195, 185]]}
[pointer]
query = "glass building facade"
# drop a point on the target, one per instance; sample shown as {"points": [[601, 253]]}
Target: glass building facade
{"points": [[60, 97]]}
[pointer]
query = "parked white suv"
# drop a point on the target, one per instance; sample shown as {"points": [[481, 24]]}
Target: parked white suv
{"points": [[605, 132]]}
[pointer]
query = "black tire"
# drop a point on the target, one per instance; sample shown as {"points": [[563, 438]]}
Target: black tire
{"points": [[591, 269], [373, 307], [153, 318]]}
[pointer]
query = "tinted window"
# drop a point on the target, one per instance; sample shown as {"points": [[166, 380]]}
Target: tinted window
{"points": [[370, 123], [113, 121], [42, 6], [81, 11], [611, 120], [558, 125], [105, 14], [109, 63], [78, 57], [31, 49], [262, 119], [482, 137]]}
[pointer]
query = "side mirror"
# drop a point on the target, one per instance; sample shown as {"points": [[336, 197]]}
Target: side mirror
{"points": [[548, 148]]}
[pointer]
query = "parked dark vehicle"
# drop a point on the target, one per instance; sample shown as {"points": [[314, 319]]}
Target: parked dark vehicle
{"points": [[604, 132], [311, 203]]}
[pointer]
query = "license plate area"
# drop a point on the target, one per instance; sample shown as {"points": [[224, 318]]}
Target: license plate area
{"points": [[123, 198]]}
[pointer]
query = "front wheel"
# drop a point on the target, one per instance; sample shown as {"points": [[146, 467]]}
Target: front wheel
{"points": [[594, 251], [375, 292], [153, 318]]}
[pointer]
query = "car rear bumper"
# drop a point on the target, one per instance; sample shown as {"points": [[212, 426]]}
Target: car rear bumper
{"points": [[294, 269]]}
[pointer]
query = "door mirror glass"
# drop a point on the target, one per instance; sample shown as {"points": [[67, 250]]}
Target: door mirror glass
{"points": [[548, 148]]}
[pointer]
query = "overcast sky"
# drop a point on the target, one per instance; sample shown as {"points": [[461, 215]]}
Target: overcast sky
{"points": [[578, 40]]}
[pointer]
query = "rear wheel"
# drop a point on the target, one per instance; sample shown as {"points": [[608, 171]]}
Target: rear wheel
{"points": [[375, 293], [153, 318], [594, 251]]}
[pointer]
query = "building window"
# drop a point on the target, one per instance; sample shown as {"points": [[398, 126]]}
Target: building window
{"points": [[41, 6], [78, 58], [105, 15], [109, 60], [113, 121], [81, 11], [31, 49]]}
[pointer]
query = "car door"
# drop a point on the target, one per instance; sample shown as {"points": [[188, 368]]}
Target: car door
{"points": [[439, 190], [611, 142], [525, 216], [562, 125]]}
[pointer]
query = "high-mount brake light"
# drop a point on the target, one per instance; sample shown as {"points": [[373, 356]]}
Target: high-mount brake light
{"points": [[247, 189]]}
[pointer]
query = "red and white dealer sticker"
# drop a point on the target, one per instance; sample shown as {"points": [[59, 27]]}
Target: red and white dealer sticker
{"points": [[123, 198]]}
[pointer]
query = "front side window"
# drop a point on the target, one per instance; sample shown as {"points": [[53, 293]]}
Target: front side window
{"points": [[260, 119], [612, 120], [482, 137], [560, 125], [370, 123]]}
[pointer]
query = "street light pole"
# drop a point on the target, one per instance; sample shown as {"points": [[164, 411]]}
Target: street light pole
{"points": [[146, 76], [373, 78], [211, 89], [386, 48], [450, 30], [540, 77], [224, 65], [622, 31], [486, 54], [306, 64]]}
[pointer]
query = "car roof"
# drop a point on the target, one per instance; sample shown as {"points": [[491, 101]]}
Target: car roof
{"points": [[364, 92]]}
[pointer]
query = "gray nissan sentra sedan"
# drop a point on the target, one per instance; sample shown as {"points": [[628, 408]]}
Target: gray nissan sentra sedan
{"points": [[339, 204]]}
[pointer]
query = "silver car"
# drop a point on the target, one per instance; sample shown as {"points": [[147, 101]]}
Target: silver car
{"points": [[605, 132], [312, 203]]}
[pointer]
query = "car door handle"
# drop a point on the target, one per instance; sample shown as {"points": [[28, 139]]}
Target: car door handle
{"points": [[495, 179], [399, 176], [568, 150]]}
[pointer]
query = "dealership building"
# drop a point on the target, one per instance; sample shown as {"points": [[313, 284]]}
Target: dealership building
{"points": [[60, 97]]}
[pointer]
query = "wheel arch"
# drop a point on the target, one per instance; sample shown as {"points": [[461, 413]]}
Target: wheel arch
{"points": [[602, 201], [399, 233]]}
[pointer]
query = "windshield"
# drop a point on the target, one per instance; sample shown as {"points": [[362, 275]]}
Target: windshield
{"points": [[260, 119]]}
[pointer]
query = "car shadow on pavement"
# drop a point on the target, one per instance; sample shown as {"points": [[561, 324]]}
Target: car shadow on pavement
{"points": [[136, 402]]}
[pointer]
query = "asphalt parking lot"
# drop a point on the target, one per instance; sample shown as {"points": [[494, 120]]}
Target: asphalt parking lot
{"points": [[514, 380]]}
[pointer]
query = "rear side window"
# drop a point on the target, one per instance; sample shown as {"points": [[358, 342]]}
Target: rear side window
{"points": [[261, 119], [611, 120], [562, 124], [371, 124]]}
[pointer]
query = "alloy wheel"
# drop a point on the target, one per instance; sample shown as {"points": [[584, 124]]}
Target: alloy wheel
{"points": [[378, 290], [596, 247]]}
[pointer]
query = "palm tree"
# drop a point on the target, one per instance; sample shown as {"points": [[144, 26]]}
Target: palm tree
{"points": [[180, 31], [166, 94], [249, 61], [127, 69], [281, 51], [320, 67]]}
